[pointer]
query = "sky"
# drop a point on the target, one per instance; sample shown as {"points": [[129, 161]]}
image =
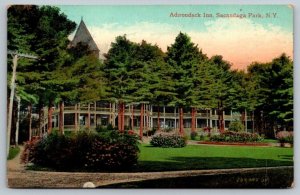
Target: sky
{"points": [[240, 41]]}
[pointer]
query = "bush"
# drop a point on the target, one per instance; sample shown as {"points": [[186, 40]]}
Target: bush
{"points": [[236, 126], [168, 129], [231, 136], [193, 135], [89, 151], [285, 137], [167, 140]]}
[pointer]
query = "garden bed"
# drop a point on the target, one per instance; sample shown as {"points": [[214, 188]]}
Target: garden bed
{"points": [[235, 143]]}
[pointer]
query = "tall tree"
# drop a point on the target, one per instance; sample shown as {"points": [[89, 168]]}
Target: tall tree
{"points": [[119, 57], [183, 56]]}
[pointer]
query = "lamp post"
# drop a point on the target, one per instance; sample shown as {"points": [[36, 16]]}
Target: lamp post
{"points": [[16, 56]]}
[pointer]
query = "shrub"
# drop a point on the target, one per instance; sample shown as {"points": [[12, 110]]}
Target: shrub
{"points": [[167, 140], [285, 137], [29, 146], [89, 151], [193, 135], [232, 136], [168, 129], [236, 126]]}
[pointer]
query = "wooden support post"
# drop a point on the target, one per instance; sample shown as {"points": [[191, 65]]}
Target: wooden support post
{"points": [[79, 116], [95, 114], [253, 127], [175, 125], [210, 118], [141, 122], [158, 119], [164, 117], [75, 118], [30, 120], [246, 124], [196, 120], [123, 116], [89, 117]]}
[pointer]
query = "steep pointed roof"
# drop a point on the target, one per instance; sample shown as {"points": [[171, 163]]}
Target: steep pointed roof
{"points": [[83, 35]]}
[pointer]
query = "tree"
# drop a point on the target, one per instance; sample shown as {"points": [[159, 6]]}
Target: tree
{"points": [[119, 57], [183, 56]]}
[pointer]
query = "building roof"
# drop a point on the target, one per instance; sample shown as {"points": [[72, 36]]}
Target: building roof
{"points": [[83, 35]]}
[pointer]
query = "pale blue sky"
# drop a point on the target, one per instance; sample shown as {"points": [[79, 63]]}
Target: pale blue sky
{"points": [[240, 41], [129, 14]]}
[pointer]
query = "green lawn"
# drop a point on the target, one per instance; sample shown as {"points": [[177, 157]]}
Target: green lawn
{"points": [[13, 152], [212, 157]]}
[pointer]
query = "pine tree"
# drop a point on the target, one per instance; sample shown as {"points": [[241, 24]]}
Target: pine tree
{"points": [[183, 56]]}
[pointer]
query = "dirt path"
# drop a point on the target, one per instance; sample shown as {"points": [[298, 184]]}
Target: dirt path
{"points": [[15, 164]]}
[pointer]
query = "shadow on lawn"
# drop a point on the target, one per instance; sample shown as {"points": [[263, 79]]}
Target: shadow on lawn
{"points": [[271, 178], [278, 177], [193, 163]]}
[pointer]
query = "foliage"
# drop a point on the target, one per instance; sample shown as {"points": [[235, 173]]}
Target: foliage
{"points": [[231, 136], [27, 155], [168, 129], [285, 137], [88, 151], [194, 135], [167, 140], [236, 126]]}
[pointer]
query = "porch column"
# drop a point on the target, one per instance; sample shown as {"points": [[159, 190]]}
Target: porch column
{"points": [[246, 125], [175, 126], [95, 114], [164, 117], [210, 118]]}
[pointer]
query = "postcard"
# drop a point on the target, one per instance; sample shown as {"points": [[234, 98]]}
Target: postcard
{"points": [[150, 96]]}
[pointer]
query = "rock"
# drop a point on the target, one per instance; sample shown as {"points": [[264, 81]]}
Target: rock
{"points": [[89, 185]]}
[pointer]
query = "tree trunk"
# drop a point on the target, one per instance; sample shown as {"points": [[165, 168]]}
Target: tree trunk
{"points": [[193, 120], [142, 120], [11, 102], [50, 111], [132, 119], [119, 117], [158, 119], [61, 117], [181, 131], [30, 120], [18, 122], [220, 117]]}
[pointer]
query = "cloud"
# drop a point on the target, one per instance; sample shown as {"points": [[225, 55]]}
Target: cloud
{"points": [[240, 41]]}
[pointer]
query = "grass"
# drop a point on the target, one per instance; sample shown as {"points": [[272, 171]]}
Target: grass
{"points": [[270, 141], [212, 157], [13, 152]]}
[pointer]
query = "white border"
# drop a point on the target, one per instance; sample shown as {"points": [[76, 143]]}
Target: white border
{"points": [[3, 40]]}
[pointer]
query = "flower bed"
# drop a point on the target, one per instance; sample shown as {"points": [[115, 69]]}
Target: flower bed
{"points": [[231, 136], [235, 143], [167, 140], [285, 137], [109, 151]]}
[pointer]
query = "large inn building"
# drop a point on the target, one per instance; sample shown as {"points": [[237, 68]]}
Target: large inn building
{"points": [[104, 113]]}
